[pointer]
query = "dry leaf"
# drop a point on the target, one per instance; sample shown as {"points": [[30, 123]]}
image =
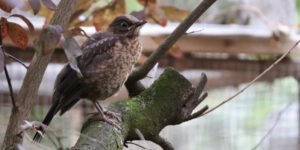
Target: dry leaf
{"points": [[29, 24], [174, 51], [4, 31], [142, 59], [17, 34], [174, 14]]}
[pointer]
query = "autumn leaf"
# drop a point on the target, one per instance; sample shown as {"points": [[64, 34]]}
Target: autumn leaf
{"points": [[1, 60], [35, 5], [4, 31], [17, 34], [142, 59], [174, 14], [104, 16], [174, 51], [29, 24], [155, 18], [7, 5]]}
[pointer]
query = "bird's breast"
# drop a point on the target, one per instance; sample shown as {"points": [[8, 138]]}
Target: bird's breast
{"points": [[110, 75]]}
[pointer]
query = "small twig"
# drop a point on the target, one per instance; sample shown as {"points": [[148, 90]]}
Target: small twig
{"points": [[197, 114], [7, 75], [10, 87], [195, 31], [254, 80], [274, 125], [15, 59], [128, 142]]}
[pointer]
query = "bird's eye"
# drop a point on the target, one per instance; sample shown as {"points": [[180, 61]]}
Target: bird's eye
{"points": [[124, 24]]}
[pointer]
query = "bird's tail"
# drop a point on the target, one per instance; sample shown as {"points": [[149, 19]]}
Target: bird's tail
{"points": [[53, 110]]}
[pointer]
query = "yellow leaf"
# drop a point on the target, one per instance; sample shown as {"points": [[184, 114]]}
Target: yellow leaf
{"points": [[174, 51], [174, 14]]}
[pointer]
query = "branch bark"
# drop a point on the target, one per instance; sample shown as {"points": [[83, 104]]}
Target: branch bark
{"points": [[166, 102], [142, 71], [31, 83]]}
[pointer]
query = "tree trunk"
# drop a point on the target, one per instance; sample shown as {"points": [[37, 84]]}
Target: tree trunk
{"points": [[167, 102], [34, 75]]}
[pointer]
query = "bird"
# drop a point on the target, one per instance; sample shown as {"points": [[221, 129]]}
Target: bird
{"points": [[107, 58]]}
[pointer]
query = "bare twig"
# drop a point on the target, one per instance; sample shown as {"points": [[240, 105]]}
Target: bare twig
{"points": [[196, 114], [195, 31], [15, 59], [142, 71], [10, 87], [254, 80], [274, 125], [7, 75]]}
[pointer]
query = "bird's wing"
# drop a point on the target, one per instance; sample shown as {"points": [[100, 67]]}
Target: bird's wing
{"points": [[98, 48], [67, 90]]}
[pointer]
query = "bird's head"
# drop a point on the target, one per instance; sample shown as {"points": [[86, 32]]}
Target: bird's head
{"points": [[126, 25]]}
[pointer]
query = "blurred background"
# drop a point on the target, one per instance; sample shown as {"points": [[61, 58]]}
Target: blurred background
{"points": [[232, 43]]}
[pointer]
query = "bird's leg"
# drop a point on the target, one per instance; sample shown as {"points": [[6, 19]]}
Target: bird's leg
{"points": [[110, 113], [103, 117]]}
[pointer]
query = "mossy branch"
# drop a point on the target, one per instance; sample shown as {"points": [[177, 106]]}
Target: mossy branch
{"points": [[167, 102]]}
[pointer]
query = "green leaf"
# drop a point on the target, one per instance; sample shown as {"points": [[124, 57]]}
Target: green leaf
{"points": [[72, 50]]}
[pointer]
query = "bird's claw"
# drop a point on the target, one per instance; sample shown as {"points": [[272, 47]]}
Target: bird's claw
{"points": [[113, 115], [107, 120]]}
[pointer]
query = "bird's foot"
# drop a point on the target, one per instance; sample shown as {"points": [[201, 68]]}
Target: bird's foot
{"points": [[107, 120], [113, 115], [109, 113]]}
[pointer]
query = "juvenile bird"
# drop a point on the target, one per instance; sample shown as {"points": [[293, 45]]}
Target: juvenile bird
{"points": [[106, 61]]}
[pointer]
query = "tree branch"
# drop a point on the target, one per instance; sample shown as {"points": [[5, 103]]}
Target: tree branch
{"points": [[33, 78], [142, 71], [158, 106]]}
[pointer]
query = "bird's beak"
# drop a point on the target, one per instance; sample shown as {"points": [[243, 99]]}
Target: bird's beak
{"points": [[141, 22]]}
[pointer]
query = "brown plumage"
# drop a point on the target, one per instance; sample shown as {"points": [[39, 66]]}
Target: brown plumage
{"points": [[106, 61]]}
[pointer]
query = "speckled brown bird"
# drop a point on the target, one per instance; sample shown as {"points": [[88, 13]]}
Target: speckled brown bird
{"points": [[106, 61]]}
